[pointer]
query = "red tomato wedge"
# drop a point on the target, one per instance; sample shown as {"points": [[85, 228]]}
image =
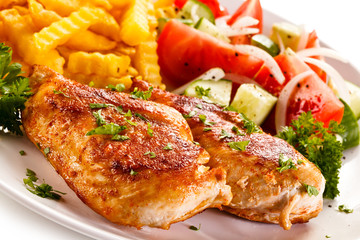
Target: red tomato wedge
{"points": [[251, 8], [185, 53], [310, 94], [313, 42], [217, 9]]}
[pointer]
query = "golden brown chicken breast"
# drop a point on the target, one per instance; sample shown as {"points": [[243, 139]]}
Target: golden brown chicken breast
{"points": [[131, 160], [270, 181]]}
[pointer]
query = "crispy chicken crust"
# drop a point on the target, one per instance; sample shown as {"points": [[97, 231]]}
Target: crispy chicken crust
{"points": [[133, 182], [260, 191]]}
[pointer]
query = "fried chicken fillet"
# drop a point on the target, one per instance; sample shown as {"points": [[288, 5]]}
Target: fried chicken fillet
{"points": [[261, 191], [139, 168]]}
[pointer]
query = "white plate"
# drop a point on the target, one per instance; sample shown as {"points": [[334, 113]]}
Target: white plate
{"points": [[73, 214]]}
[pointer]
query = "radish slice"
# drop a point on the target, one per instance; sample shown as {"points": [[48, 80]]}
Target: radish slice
{"points": [[282, 104], [320, 51], [303, 38], [269, 61], [212, 74], [334, 75]]}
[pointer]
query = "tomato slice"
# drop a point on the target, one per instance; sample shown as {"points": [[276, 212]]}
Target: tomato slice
{"points": [[217, 9], [251, 8], [185, 53], [313, 42], [312, 94]]}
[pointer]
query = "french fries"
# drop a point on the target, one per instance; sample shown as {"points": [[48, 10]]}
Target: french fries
{"points": [[99, 41]]}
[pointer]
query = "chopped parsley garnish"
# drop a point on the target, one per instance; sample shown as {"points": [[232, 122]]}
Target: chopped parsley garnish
{"points": [[140, 116], [43, 190], [343, 208], [100, 105], [107, 129], [22, 152], [204, 121], [151, 154], [240, 146], [225, 134], [199, 106], [131, 122], [46, 151], [145, 95], [61, 92], [207, 129], [195, 228], [119, 137], [249, 125], [120, 109], [285, 163], [133, 173], [149, 130], [14, 92], [168, 147], [91, 84], [118, 88], [311, 190], [190, 115], [196, 143], [201, 92], [99, 119], [237, 131], [319, 145], [128, 114]]}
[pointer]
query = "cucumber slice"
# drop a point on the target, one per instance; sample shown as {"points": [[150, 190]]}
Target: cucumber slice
{"points": [[206, 26], [354, 98], [349, 122], [195, 10], [289, 33], [212, 91], [265, 43], [254, 102]]}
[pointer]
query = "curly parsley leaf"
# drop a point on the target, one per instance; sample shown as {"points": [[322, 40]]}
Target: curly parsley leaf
{"points": [[319, 145], [43, 190], [14, 92]]}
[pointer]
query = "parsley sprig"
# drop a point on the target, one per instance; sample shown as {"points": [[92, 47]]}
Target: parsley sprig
{"points": [[14, 92], [145, 95], [319, 145], [43, 190]]}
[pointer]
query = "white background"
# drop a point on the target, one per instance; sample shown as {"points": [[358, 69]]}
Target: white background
{"points": [[337, 24]]}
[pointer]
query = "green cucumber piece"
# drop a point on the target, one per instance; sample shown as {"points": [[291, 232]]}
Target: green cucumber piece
{"points": [[163, 21], [255, 102], [202, 10], [265, 43], [206, 26], [349, 122], [290, 34], [211, 91], [354, 98]]}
